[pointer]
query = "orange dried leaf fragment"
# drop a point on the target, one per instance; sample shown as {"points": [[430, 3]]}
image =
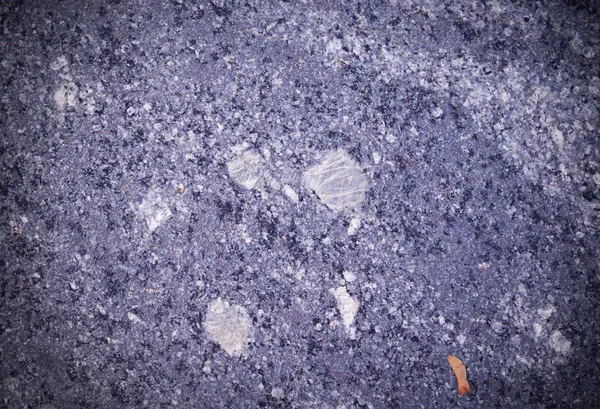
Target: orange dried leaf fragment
{"points": [[461, 374]]}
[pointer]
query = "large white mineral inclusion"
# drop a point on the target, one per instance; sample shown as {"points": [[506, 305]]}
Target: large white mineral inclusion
{"points": [[337, 180], [229, 326], [245, 169]]}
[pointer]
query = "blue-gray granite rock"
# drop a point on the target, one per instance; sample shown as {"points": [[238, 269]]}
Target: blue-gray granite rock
{"points": [[299, 204]]}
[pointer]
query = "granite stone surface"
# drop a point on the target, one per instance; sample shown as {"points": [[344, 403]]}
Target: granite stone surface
{"points": [[299, 204]]}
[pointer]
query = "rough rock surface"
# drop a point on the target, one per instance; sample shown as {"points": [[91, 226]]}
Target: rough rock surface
{"points": [[152, 156]]}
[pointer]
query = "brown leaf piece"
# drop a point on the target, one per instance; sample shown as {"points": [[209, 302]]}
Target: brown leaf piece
{"points": [[461, 374]]}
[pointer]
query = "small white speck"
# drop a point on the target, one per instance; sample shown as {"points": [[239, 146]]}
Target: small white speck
{"points": [[525, 360], [354, 226], [461, 339], [275, 185], [545, 313], [456, 63], [59, 63], [558, 138], [133, 317], [537, 329], [349, 276], [291, 193], [347, 306], [496, 326], [277, 393], [100, 309]]}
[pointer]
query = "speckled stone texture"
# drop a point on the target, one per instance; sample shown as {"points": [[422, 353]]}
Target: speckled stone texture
{"points": [[152, 161]]}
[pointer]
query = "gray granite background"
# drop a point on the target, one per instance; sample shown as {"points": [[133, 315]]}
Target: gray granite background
{"points": [[475, 124]]}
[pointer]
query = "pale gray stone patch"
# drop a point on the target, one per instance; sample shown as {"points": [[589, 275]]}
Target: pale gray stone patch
{"points": [[245, 169], [278, 393], [347, 306], [338, 181], [354, 226], [559, 343], [153, 210], [134, 318], [291, 194], [229, 326], [349, 276], [66, 95], [60, 62]]}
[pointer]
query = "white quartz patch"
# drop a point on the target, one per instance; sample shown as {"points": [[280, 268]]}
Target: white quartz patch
{"points": [[133, 318], [337, 180], [245, 169], [354, 226], [347, 306], [558, 138], [545, 313], [559, 343], [153, 210], [349, 276], [66, 95], [291, 194], [59, 63], [537, 329], [278, 393], [229, 326]]}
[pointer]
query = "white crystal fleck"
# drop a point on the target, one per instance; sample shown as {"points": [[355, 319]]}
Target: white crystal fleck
{"points": [[347, 306], [65, 96], [559, 343], [153, 210], [291, 193]]}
